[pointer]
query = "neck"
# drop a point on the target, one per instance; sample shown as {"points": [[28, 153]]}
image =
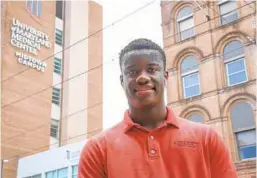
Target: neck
{"points": [[149, 117]]}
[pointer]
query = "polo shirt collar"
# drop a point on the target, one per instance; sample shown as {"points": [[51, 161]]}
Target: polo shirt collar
{"points": [[170, 120]]}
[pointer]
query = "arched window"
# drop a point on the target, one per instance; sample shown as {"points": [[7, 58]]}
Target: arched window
{"points": [[235, 63], [185, 23], [190, 77], [243, 126], [34, 6], [196, 118], [228, 11]]}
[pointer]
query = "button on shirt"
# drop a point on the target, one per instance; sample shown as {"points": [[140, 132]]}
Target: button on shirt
{"points": [[176, 149]]}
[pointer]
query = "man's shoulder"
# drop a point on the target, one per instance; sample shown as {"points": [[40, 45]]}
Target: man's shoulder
{"points": [[194, 127], [109, 134]]}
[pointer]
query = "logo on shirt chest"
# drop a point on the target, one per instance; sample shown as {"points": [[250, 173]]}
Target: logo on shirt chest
{"points": [[188, 144]]}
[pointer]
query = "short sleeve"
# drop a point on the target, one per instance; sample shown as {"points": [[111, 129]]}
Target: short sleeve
{"points": [[92, 161], [221, 163]]}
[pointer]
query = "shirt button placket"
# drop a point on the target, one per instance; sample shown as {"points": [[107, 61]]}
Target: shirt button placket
{"points": [[152, 146], [153, 151]]}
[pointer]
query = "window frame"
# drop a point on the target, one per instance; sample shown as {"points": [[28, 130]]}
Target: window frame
{"points": [[62, 9], [237, 142], [56, 172], [34, 176], [228, 75], [66, 168], [57, 130], [188, 73], [232, 60], [59, 61], [72, 173], [238, 131], [195, 113], [181, 19], [222, 2], [34, 10], [55, 97], [57, 40]]}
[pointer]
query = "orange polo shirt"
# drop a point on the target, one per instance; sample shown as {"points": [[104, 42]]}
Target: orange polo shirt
{"points": [[176, 149]]}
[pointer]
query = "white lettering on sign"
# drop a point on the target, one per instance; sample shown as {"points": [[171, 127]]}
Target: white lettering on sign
{"points": [[30, 61], [30, 40]]}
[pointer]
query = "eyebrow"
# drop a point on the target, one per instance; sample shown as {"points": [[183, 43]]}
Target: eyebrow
{"points": [[128, 67], [153, 63]]}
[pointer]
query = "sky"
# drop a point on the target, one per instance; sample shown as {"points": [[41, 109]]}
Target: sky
{"points": [[145, 23]]}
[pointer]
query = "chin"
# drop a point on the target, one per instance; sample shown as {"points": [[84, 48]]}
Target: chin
{"points": [[140, 104]]}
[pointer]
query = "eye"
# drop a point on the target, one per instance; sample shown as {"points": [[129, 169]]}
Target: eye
{"points": [[151, 70], [132, 73]]}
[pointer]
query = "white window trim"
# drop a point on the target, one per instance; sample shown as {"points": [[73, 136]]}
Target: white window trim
{"points": [[184, 88], [234, 58], [243, 129], [237, 144], [220, 3], [38, 7], [179, 20], [179, 31], [190, 72], [185, 17], [234, 73], [72, 172], [56, 171], [223, 1]]}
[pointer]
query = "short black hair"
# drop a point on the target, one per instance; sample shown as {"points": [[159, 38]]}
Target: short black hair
{"points": [[142, 43]]}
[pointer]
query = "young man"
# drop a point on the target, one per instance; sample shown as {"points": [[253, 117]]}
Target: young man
{"points": [[151, 142]]}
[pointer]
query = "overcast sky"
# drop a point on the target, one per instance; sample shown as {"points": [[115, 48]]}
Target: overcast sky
{"points": [[146, 23]]}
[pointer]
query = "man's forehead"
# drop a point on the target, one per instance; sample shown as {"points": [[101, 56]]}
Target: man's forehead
{"points": [[141, 52], [153, 55]]}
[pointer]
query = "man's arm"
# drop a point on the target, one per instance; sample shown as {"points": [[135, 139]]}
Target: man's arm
{"points": [[221, 163], [92, 160]]}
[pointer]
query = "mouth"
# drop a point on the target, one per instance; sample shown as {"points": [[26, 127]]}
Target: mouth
{"points": [[144, 90]]}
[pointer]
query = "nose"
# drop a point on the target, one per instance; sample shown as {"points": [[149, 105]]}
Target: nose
{"points": [[143, 79]]}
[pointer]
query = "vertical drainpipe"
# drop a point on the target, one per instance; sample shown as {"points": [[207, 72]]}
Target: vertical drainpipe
{"points": [[61, 102]]}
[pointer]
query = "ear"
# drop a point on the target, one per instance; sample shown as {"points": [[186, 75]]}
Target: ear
{"points": [[121, 80], [166, 76]]}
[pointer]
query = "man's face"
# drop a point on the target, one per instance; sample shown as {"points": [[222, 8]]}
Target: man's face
{"points": [[143, 78]]}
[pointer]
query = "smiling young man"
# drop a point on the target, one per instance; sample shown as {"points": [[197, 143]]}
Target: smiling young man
{"points": [[151, 142]]}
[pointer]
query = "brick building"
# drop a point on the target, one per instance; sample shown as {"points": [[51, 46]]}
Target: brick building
{"points": [[211, 57], [50, 97]]}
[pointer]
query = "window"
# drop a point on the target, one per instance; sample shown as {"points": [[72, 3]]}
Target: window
{"points": [[74, 171], [60, 173], [35, 176], [185, 22], [58, 37], [54, 128], [243, 126], [196, 118], [56, 96], [59, 9], [57, 65], [235, 63], [228, 11], [190, 77], [34, 6]]}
